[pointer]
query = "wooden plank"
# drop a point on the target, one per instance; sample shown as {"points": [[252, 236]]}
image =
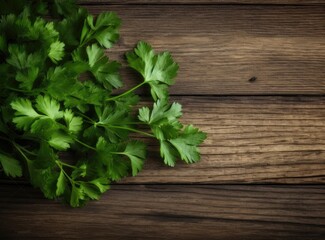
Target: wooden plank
{"points": [[264, 2], [221, 48], [169, 212], [250, 139]]}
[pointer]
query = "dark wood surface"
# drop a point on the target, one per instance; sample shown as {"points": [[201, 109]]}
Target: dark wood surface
{"points": [[170, 212], [262, 131], [220, 48]]}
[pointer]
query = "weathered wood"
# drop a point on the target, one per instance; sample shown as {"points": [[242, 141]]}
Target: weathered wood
{"points": [[151, 2], [221, 48], [169, 212], [250, 139]]}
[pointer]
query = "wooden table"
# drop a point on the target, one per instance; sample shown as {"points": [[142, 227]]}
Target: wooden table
{"points": [[252, 75]]}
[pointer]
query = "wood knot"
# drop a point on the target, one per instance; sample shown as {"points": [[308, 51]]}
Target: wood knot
{"points": [[252, 79]]}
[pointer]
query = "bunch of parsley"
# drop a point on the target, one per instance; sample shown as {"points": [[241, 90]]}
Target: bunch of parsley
{"points": [[61, 125]]}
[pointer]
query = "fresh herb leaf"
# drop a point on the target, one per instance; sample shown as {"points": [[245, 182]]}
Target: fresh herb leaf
{"points": [[49, 107], [186, 143], [10, 166], [174, 141], [104, 30], [61, 184], [73, 123], [104, 71], [25, 114], [56, 51], [159, 70], [77, 196], [136, 152], [60, 141], [61, 119]]}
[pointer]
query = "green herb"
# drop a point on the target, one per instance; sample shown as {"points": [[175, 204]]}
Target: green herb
{"points": [[61, 123]]}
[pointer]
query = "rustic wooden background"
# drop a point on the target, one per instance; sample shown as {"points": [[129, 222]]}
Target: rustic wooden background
{"points": [[253, 76]]}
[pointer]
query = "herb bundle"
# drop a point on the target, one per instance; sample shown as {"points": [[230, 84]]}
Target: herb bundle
{"points": [[57, 97]]}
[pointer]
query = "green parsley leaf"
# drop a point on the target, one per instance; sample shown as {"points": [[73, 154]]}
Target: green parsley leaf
{"points": [[49, 107], [136, 151], [61, 184], [27, 78], [73, 123], [174, 141], [114, 121], [186, 144], [60, 141], [101, 183], [95, 188], [44, 127], [56, 51], [104, 71], [60, 114], [77, 195], [105, 30], [63, 7], [79, 171], [54, 83], [25, 113], [10, 166], [163, 119], [71, 26], [45, 179], [90, 190], [168, 153], [116, 167], [46, 157], [159, 70]]}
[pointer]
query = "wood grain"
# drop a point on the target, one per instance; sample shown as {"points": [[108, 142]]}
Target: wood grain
{"points": [[250, 139], [151, 2], [224, 47], [221, 48], [169, 212]]}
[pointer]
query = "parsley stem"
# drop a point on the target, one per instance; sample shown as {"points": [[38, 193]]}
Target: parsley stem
{"points": [[133, 130], [67, 165], [86, 117], [127, 92], [59, 163], [27, 151], [17, 90], [85, 144], [20, 151], [119, 153], [18, 146]]}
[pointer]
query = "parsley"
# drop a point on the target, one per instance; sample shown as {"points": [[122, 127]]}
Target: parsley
{"points": [[61, 124]]}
